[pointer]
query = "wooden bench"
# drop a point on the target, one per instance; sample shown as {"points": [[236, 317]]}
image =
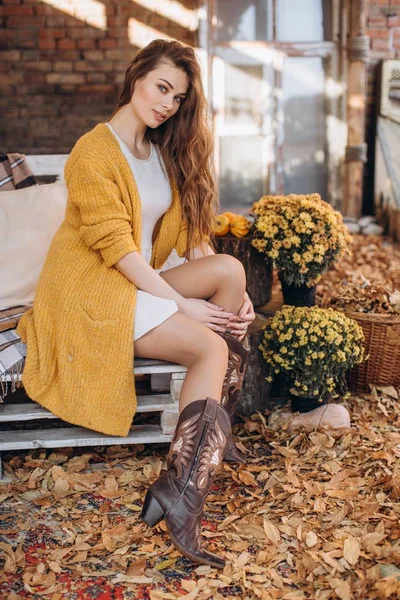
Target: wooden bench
{"points": [[162, 397]]}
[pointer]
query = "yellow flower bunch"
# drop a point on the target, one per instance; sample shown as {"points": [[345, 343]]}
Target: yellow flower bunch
{"points": [[302, 234], [315, 347]]}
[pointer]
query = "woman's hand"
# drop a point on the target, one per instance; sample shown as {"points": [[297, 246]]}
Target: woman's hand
{"points": [[238, 324], [211, 315]]}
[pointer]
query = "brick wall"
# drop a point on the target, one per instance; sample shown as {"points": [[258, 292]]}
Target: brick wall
{"points": [[384, 33], [62, 63]]}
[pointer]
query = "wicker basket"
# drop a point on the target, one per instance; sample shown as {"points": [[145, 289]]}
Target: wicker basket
{"points": [[382, 344]]}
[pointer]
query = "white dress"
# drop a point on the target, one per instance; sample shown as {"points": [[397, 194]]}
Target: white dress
{"points": [[155, 198]]}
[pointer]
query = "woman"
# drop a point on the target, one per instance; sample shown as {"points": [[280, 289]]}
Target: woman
{"points": [[140, 186]]}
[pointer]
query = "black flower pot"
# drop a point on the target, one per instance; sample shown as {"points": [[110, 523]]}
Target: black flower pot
{"points": [[304, 404], [297, 295]]}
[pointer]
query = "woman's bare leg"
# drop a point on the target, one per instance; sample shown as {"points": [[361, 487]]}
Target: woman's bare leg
{"points": [[186, 342], [219, 278]]}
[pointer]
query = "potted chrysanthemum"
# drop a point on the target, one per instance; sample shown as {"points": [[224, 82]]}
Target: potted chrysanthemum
{"points": [[304, 236], [313, 348]]}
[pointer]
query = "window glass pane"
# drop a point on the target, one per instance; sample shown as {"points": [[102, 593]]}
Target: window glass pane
{"points": [[244, 20], [244, 95], [304, 126], [303, 20], [241, 170]]}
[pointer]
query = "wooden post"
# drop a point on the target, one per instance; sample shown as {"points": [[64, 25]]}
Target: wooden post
{"points": [[356, 150]]}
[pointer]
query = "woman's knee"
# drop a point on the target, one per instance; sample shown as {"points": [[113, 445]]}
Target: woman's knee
{"points": [[208, 345], [230, 268]]}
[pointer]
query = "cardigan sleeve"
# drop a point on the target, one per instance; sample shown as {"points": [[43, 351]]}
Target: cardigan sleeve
{"points": [[105, 222]]}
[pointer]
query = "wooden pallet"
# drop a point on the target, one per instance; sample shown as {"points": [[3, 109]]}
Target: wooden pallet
{"points": [[165, 382]]}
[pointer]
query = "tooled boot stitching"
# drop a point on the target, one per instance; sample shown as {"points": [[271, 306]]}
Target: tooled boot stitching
{"points": [[207, 454], [170, 478], [180, 462], [233, 383]]}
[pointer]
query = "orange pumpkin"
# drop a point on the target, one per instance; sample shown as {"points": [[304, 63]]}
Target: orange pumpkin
{"points": [[229, 215], [221, 226], [240, 226]]}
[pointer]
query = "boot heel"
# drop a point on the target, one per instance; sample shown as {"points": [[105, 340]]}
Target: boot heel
{"points": [[152, 512]]}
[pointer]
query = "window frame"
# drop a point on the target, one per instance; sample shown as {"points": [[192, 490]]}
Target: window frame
{"points": [[333, 55]]}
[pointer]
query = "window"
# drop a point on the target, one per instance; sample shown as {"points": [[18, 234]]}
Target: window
{"points": [[275, 96]]}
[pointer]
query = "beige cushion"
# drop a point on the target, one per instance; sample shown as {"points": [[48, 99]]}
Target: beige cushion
{"points": [[29, 219]]}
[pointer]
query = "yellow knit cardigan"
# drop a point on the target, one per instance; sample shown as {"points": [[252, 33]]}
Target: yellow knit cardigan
{"points": [[79, 334]]}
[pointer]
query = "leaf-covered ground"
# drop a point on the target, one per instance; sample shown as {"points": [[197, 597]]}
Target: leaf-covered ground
{"points": [[310, 516]]}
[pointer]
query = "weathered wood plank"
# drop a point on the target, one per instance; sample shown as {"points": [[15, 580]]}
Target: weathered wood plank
{"points": [[29, 411], [143, 367], [161, 367], [177, 380], [169, 420], [78, 436]]}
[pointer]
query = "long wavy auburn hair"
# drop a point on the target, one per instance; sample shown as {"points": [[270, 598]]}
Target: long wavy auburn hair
{"points": [[185, 140]]}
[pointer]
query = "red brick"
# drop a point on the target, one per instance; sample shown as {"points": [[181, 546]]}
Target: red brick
{"points": [[67, 89], [86, 44], [26, 38], [113, 54], [11, 2], [47, 44], [63, 66], [66, 44], [24, 22], [394, 21], [117, 32], [96, 77], [10, 55], [30, 55], [9, 113], [10, 79], [96, 89], [107, 43], [65, 78], [55, 21], [38, 111], [51, 33], [380, 44], [6, 35], [382, 34], [76, 32], [376, 22], [379, 54], [32, 77], [93, 55], [17, 10], [117, 22], [64, 55], [6, 91], [94, 66], [43, 66], [43, 10]]}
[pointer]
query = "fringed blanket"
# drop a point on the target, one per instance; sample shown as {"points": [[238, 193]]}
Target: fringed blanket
{"points": [[12, 360], [9, 317], [15, 172]]}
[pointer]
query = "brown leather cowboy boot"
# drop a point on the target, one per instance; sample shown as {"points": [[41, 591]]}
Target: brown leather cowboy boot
{"points": [[233, 383], [179, 494]]}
